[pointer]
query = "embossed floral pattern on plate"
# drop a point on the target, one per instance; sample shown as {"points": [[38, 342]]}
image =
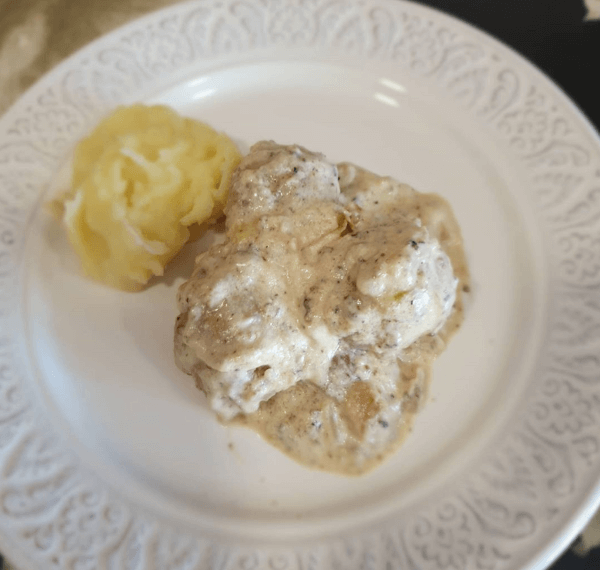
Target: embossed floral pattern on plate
{"points": [[55, 514]]}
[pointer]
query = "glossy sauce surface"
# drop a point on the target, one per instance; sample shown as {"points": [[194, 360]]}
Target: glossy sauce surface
{"points": [[317, 321]]}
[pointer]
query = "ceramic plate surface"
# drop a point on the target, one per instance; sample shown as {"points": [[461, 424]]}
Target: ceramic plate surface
{"points": [[110, 458]]}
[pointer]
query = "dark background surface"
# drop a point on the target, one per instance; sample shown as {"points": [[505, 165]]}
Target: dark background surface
{"points": [[553, 35]]}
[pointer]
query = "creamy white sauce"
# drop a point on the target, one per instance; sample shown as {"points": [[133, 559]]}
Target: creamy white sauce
{"points": [[317, 320]]}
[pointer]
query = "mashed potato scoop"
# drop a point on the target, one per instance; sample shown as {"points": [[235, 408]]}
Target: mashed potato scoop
{"points": [[140, 179]]}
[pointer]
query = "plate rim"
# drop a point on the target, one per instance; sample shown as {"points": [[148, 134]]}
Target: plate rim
{"points": [[586, 508]]}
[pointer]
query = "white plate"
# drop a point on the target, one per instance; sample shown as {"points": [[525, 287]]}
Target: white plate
{"points": [[110, 459]]}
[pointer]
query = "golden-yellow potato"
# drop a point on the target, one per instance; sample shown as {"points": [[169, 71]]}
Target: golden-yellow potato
{"points": [[139, 180]]}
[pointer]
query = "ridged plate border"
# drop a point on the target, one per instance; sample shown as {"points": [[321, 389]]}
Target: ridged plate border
{"points": [[507, 514]]}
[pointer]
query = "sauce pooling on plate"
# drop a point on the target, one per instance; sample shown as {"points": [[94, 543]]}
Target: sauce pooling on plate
{"points": [[317, 321]]}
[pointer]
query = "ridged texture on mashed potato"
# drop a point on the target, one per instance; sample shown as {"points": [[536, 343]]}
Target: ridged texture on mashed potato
{"points": [[142, 177]]}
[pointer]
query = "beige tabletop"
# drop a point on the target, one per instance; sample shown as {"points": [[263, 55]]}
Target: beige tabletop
{"points": [[593, 9], [37, 34]]}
